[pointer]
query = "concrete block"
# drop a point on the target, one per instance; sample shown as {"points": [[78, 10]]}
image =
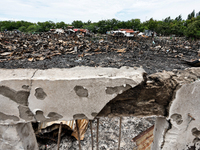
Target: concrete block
{"points": [[17, 137], [184, 127], [61, 94]]}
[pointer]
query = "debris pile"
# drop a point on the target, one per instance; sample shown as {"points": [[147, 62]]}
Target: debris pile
{"points": [[108, 134], [52, 50], [60, 50]]}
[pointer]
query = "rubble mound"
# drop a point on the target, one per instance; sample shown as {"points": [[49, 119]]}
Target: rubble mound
{"points": [[156, 94], [52, 50]]}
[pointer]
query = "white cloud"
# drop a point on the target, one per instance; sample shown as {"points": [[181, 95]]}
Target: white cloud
{"points": [[69, 10]]}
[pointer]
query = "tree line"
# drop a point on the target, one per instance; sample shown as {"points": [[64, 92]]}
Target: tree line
{"points": [[168, 26]]}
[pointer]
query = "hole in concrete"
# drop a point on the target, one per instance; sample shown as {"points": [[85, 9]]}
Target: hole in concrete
{"points": [[81, 91], [80, 116], [196, 140], [191, 148], [111, 90], [195, 132], [54, 115], [177, 118], [6, 117], [117, 89], [25, 87], [39, 116], [40, 94], [25, 113], [20, 97]]}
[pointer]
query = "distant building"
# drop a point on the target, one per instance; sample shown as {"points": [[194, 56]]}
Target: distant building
{"points": [[123, 32], [149, 33]]}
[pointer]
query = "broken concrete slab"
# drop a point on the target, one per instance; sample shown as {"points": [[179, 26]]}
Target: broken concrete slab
{"points": [[160, 129], [152, 97], [17, 137], [183, 120], [84, 92], [61, 94], [14, 93], [79, 92], [45, 95]]}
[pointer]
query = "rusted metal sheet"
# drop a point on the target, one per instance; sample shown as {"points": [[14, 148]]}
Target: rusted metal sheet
{"points": [[46, 127], [82, 125], [144, 140], [54, 125], [128, 30]]}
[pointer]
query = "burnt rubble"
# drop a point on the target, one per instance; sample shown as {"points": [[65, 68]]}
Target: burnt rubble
{"points": [[52, 50], [167, 80]]}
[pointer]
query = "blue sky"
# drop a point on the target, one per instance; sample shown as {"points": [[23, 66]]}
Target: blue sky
{"points": [[94, 10]]}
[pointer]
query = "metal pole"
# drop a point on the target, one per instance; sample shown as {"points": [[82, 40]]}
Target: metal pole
{"points": [[97, 133], [77, 128], [120, 127], [59, 133], [91, 134]]}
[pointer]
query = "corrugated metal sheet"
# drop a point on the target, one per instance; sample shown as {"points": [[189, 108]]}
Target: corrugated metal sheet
{"points": [[128, 30], [82, 124], [46, 127], [144, 139]]}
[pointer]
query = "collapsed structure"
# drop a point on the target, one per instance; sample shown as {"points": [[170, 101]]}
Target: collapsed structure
{"points": [[97, 92], [34, 95]]}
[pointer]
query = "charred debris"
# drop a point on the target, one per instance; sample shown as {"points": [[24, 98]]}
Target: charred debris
{"points": [[64, 50], [58, 49]]}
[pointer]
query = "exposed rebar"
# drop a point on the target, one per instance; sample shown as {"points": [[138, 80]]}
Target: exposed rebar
{"points": [[97, 133], [120, 127], [91, 134], [79, 141], [59, 133]]}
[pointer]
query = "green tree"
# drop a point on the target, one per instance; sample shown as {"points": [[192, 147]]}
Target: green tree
{"points": [[179, 18], [152, 24], [22, 29], [46, 26], [192, 15], [122, 24], [198, 14], [61, 25], [91, 27], [31, 28], [102, 26], [3, 28], [34, 28], [133, 24], [193, 29], [167, 20], [77, 24]]}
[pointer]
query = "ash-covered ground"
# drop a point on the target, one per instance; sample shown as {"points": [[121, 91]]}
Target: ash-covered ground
{"points": [[49, 50]]}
